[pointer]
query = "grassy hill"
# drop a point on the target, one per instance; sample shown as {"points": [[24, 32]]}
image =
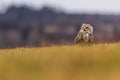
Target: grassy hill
{"points": [[96, 62]]}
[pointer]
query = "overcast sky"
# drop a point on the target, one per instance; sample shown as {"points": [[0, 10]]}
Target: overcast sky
{"points": [[72, 6]]}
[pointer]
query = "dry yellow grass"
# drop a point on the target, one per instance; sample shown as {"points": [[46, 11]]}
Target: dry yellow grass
{"points": [[96, 62]]}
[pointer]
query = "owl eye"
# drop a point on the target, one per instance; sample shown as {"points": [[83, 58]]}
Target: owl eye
{"points": [[86, 27]]}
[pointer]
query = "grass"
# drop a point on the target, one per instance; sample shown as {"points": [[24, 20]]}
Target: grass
{"points": [[96, 62]]}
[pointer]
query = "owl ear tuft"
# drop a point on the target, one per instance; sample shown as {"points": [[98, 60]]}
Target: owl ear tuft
{"points": [[83, 24]]}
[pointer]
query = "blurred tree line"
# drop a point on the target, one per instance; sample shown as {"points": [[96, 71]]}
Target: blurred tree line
{"points": [[25, 26]]}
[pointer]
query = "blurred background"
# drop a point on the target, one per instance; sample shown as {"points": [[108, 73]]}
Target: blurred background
{"points": [[47, 22]]}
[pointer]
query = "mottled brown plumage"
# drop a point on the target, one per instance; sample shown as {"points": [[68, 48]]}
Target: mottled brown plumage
{"points": [[85, 34]]}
